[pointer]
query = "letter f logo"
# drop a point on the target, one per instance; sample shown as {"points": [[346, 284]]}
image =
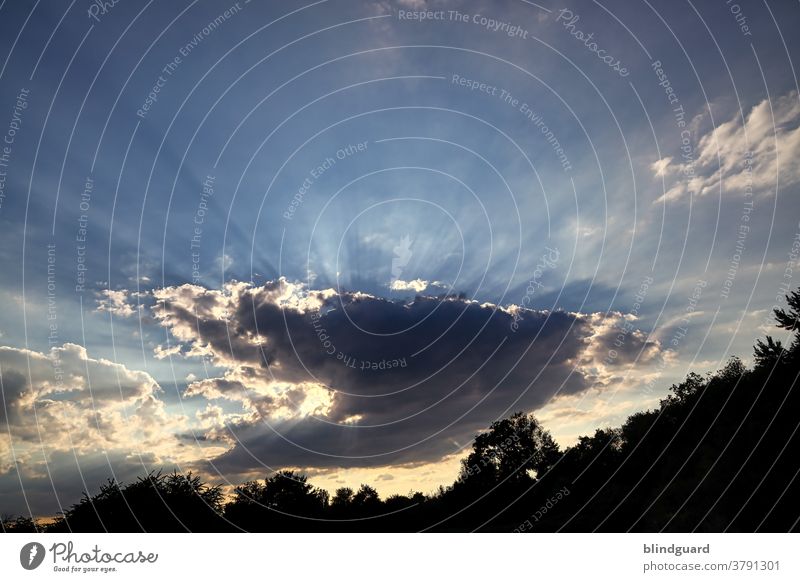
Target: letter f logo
{"points": [[31, 555]]}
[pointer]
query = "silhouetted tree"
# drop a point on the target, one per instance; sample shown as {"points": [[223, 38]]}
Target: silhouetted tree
{"points": [[290, 492], [366, 501], [790, 319], [157, 502], [281, 502], [513, 449], [767, 354], [342, 501]]}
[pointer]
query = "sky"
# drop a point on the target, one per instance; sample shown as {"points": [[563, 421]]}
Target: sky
{"points": [[344, 237]]}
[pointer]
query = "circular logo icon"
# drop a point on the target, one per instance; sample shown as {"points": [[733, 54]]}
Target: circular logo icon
{"points": [[31, 555]]}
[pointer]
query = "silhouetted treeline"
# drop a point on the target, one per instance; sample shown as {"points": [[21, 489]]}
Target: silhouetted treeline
{"points": [[720, 453]]}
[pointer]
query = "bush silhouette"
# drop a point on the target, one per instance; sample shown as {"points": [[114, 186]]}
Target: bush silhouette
{"points": [[281, 503], [155, 503]]}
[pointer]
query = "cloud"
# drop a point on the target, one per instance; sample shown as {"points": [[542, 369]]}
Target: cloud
{"points": [[311, 379], [754, 156], [65, 412], [224, 262], [416, 285], [116, 303], [329, 379], [67, 401], [660, 167]]}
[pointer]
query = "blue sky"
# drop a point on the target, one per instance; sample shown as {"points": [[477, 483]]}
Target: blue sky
{"points": [[594, 172]]}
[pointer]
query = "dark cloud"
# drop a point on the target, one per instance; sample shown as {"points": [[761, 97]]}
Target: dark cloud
{"points": [[347, 379]]}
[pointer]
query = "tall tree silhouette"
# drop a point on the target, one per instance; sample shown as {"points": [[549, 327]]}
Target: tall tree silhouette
{"points": [[281, 502], [366, 501], [513, 449], [790, 319]]}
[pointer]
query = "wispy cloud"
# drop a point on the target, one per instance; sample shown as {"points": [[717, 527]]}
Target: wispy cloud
{"points": [[755, 156]]}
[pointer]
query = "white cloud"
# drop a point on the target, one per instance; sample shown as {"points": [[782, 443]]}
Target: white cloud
{"points": [[68, 401], [116, 303], [753, 157], [416, 285], [660, 167]]}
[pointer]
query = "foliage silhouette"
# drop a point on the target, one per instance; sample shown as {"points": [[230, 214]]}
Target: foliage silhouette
{"points": [[790, 320], [281, 503], [515, 449], [155, 503]]}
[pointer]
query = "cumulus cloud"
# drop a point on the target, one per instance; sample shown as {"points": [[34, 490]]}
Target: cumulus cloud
{"points": [[750, 157], [345, 379], [116, 303], [65, 412], [416, 285], [68, 401]]}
